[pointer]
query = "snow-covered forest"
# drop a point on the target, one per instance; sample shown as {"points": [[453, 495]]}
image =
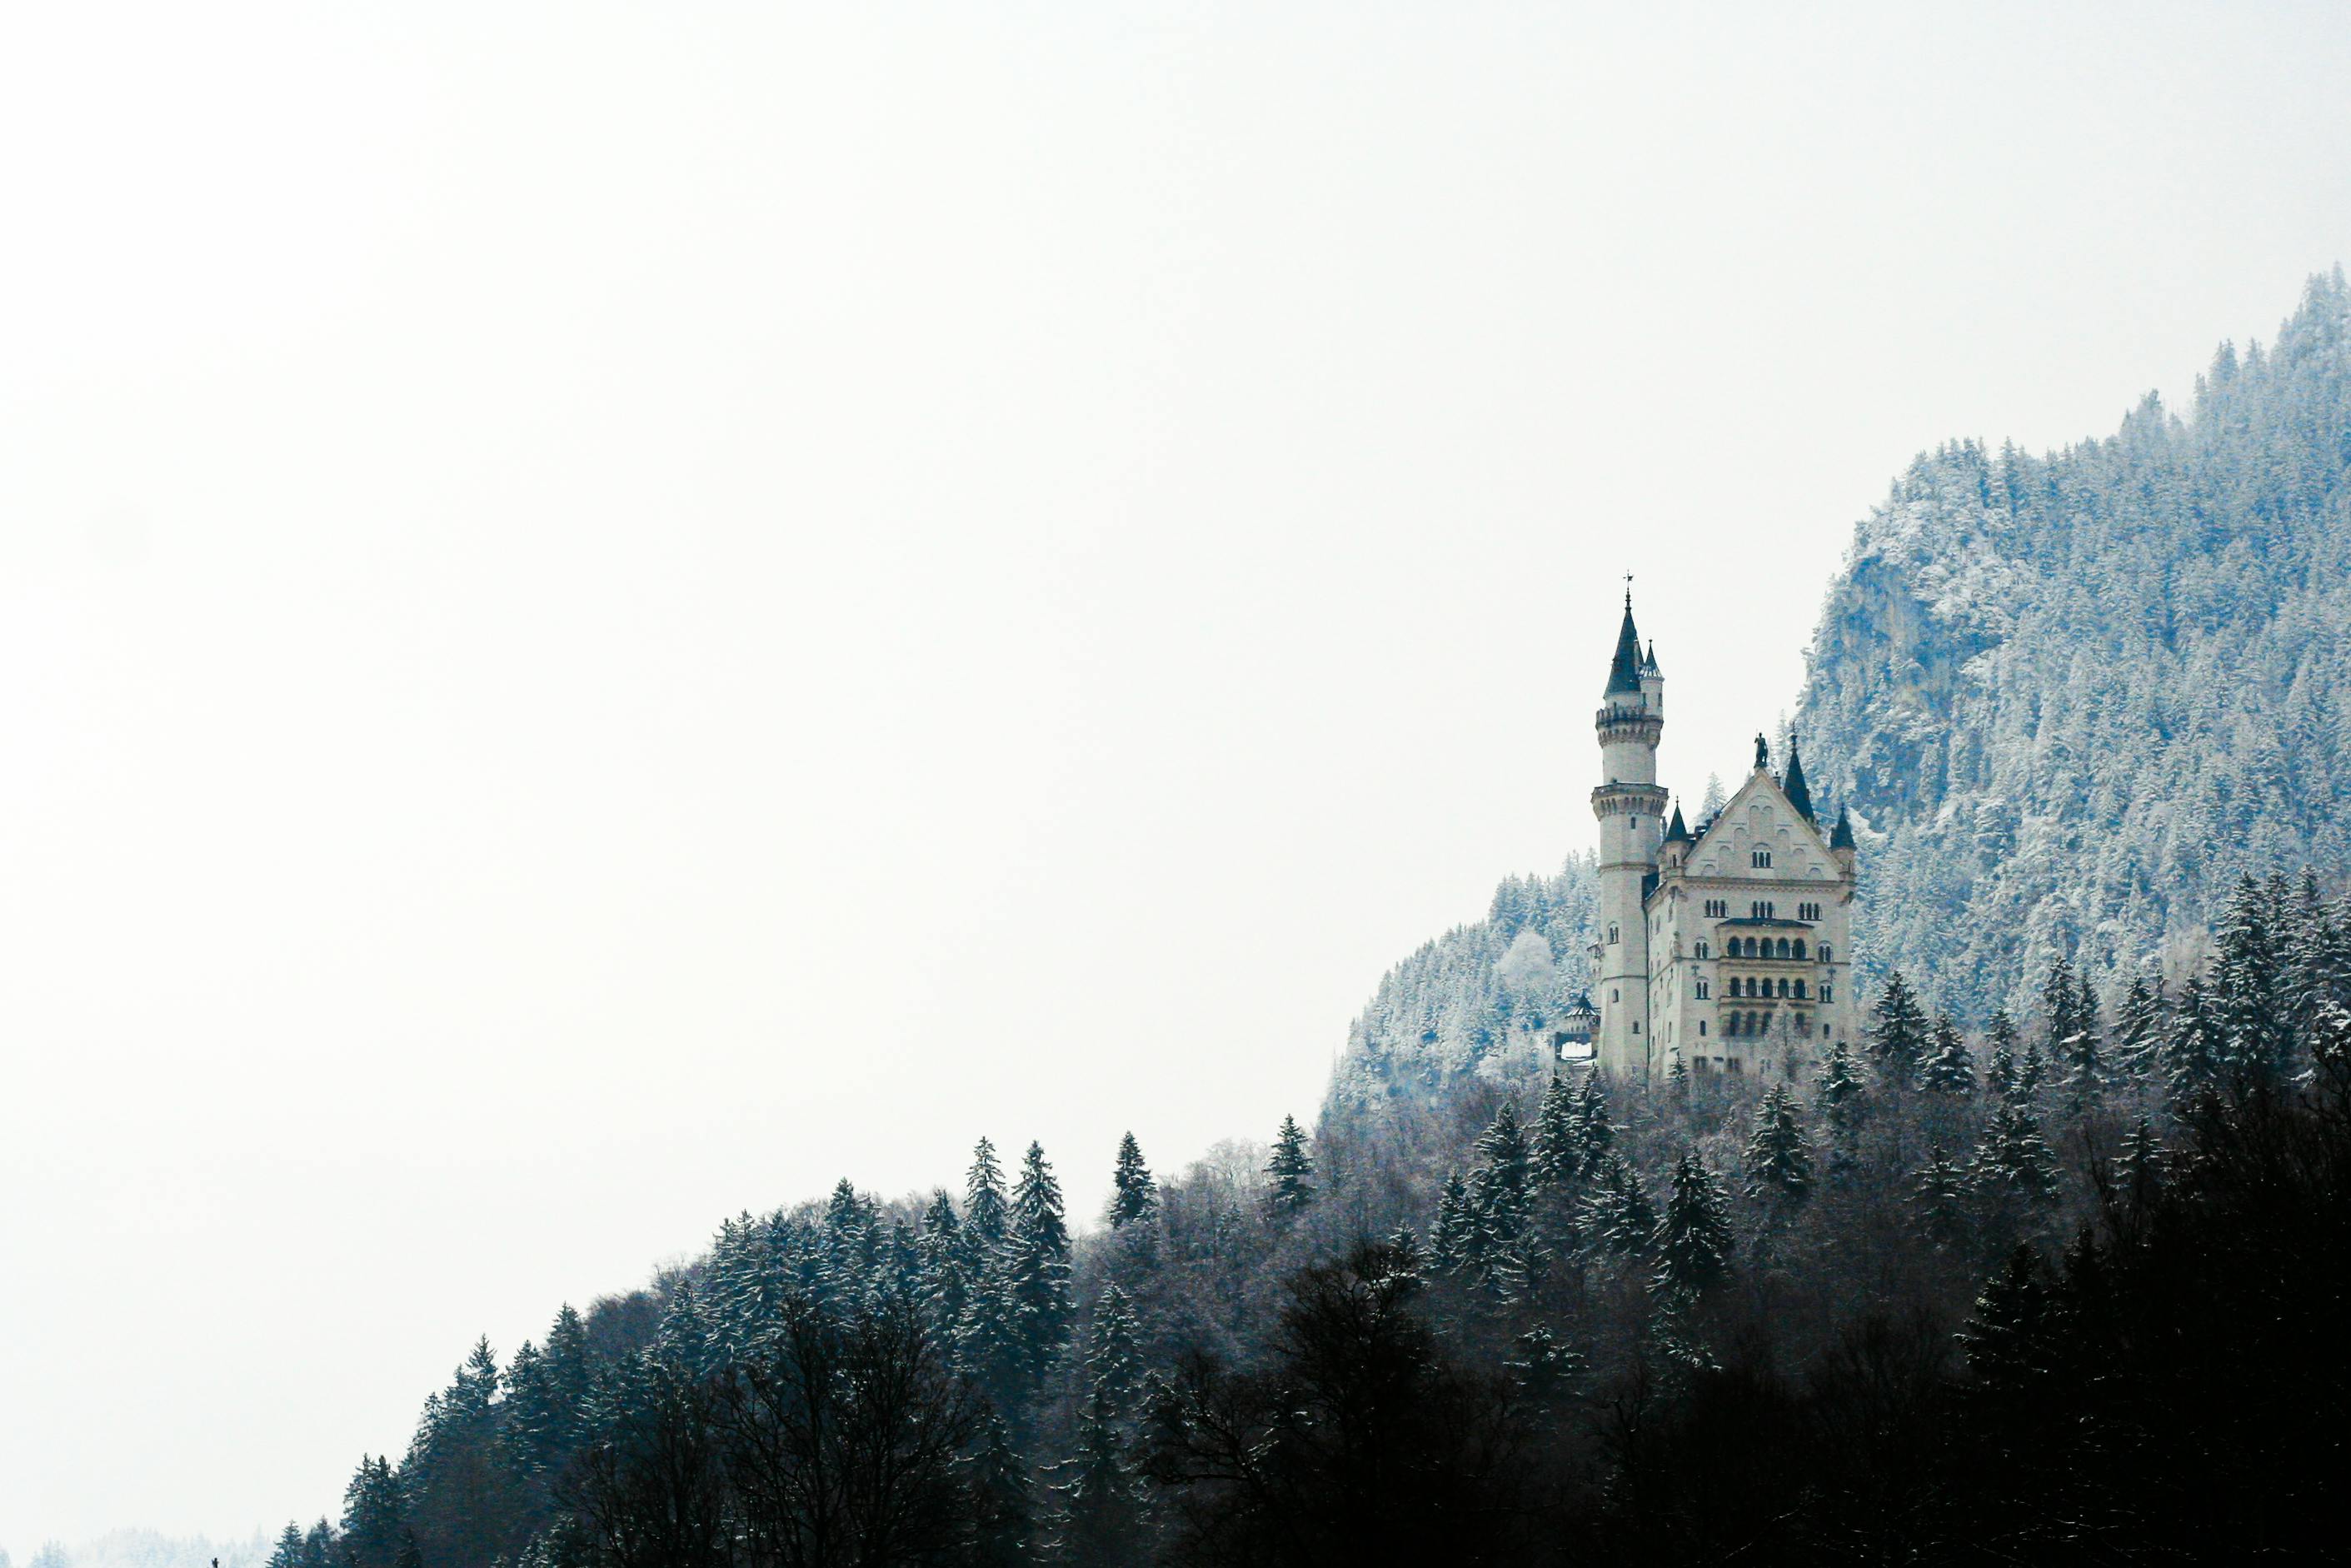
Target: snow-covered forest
{"points": [[2043, 1266]]}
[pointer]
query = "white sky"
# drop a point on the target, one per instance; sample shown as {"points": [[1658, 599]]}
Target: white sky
{"points": [[608, 614]]}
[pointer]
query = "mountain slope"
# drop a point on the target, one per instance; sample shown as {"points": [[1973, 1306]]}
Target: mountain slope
{"points": [[2070, 697]]}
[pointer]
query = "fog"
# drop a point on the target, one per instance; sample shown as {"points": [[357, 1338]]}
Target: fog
{"points": [[609, 614]]}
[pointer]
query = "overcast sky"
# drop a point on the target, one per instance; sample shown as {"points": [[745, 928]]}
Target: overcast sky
{"points": [[609, 614]]}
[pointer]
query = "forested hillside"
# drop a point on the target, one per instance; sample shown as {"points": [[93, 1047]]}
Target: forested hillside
{"points": [[2069, 698]]}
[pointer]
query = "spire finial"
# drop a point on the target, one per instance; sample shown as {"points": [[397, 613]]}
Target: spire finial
{"points": [[1628, 594]]}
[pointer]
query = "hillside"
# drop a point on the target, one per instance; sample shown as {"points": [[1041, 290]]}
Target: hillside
{"points": [[2071, 697]]}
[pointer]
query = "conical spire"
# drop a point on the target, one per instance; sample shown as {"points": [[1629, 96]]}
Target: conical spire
{"points": [[1841, 836], [1624, 670], [1799, 795], [1649, 659], [1676, 833]]}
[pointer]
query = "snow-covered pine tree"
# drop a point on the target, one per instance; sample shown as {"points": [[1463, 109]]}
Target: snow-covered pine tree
{"points": [[1595, 1134], [1618, 1217], [1037, 1262], [287, 1553], [1290, 1172], [2001, 1066], [986, 1206], [2194, 1055], [2248, 989], [1133, 1194], [2013, 1160], [1557, 1155], [1897, 1031], [2138, 1027], [1779, 1160], [1837, 1092], [1003, 1525], [1940, 1191], [1694, 1238], [1949, 1069], [1456, 1228]]}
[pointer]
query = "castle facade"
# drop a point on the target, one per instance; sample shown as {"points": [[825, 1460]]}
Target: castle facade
{"points": [[1726, 949]]}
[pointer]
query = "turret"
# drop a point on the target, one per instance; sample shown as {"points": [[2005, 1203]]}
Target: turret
{"points": [[1799, 793], [1841, 841], [1631, 810]]}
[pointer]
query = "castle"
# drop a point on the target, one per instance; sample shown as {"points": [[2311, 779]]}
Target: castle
{"points": [[1726, 949]]}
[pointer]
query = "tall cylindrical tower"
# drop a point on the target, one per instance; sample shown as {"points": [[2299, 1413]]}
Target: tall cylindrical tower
{"points": [[1631, 808]]}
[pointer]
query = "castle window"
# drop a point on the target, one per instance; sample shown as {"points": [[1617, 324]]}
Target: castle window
{"points": [[1803, 1024], [1799, 990], [1763, 857], [1783, 947], [1808, 912], [1717, 909], [1611, 993], [1701, 990], [1701, 1028], [1702, 949], [1612, 931], [1828, 992], [1800, 947], [1783, 988], [1733, 1064], [1637, 1026], [1825, 952]]}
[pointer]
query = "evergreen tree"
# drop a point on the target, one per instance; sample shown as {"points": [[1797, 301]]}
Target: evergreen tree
{"points": [[1595, 1134], [1779, 1161], [2059, 1007], [1002, 1513], [287, 1553], [2248, 991], [990, 1346], [1037, 1262], [2032, 1071], [1838, 1090], [2139, 1168], [2002, 1067], [1950, 1070], [1941, 1192], [1558, 1154], [373, 1524], [1694, 1238], [1114, 1371], [1290, 1172], [2012, 1160], [2194, 1055], [946, 1278], [1133, 1194], [1451, 1243], [1618, 1217], [2138, 1029], [2003, 1339], [986, 1209], [1898, 1032]]}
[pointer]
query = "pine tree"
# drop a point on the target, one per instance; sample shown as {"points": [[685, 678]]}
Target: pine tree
{"points": [[2012, 1160], [1694, 1238], [1779, 1162], [2058, 1006], [2248, 991], [1595, 1134], [1898, 1032], [1838, 1090], [1450, 1243], [1133, 1194], [2139, 1168], [946, 1278], [989, 1347], [2002, 1069], [1114, 1371], [2032, 1071], [1558, 1154], [985, 1209], [2138, 1029], [1618, 1217], [1002, 1513], [287, 1553], [1941, 1192], [1290, 1172], [2193, 1055], [2003, 1339], [373, 1524], [1037, 1262], [1950, 1070]]}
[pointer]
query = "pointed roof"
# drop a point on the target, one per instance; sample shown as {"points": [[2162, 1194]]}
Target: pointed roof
{"points": [[1841, 836], [1675, 832], [1625, 669], [1799, 793], [1649, 661]]}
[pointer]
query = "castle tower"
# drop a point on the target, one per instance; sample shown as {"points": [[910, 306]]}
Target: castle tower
{"points": [[1631, 808]]}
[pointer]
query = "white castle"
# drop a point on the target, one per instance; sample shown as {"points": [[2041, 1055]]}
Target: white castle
{"points": [[1724, 950]]}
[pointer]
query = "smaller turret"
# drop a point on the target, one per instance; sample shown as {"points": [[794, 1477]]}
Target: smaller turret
{"points": [[1841, 841], [1799, 795]]}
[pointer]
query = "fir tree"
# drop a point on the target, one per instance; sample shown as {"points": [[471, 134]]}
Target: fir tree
{"points": [[1940, 1190], [986, 1209], [1898, 1032], [946, 1281], [1558, 1154], [2138, 1029], [1595, 1134], [2001, 1066], [1451, 1241], [1618, 1217], [1037, 1262], [373, 1524], [2139, 1168], [1694, 1238], [2248, 991], [1779, 1162], [989, 1347], [1290, 1172], [1114, 1371], [1002, 1513], [1133, 1194], [2193, 1055], [1837, 1092], [1950, 1070], [2003, 1339], [2012, 1160], [287, 1553]]}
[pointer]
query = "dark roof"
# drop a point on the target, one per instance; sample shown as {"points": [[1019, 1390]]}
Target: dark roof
{"points": [[1799, 793], [1649, 661], [1625, 669], [1841, 836], [1675, 832], [1781, 925]]}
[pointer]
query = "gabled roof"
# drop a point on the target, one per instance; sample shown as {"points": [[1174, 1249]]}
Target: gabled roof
{"points": [[1758, 780], [1625, 669]]}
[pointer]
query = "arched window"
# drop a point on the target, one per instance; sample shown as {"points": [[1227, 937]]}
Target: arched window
{"points": [[1799, 990], [1783, 988], [1763, 857], [1783, 946], [1800, 947], [1702, 949], [1730, 1025], [1826, 954], [1612, 932], [1750, 946]]}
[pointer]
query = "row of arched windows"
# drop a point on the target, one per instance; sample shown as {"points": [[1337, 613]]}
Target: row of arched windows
{"points": [[1750, 1025], [1753, 987], [1767, 947]]}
